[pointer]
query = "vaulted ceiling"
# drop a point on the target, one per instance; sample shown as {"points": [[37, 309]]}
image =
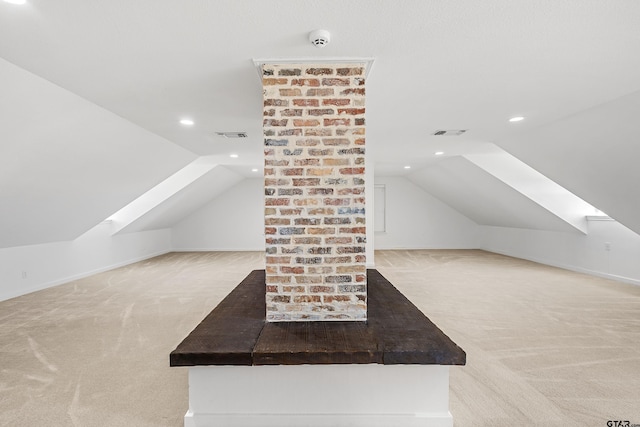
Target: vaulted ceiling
{"points": [[91, 94]]}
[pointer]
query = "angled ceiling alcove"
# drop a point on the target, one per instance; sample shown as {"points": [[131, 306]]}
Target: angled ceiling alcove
{"points": [[176, 197], [593, 153], [91, 122], [535, 186], [67, 163], [484, 198]]}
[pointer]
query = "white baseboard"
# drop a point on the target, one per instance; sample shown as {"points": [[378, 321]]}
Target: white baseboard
{"points": [[82, 275], [604, 275], [217, 250]]}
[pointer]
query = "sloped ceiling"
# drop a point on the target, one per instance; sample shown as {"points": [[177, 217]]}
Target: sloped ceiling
{"points": [[594, 154], [186, 201], [484, 198], [67, 164], [133, 69]]}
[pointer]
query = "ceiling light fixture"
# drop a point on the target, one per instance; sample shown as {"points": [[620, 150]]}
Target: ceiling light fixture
{"points": [[254, 170], [407, 167], [187, 122], [439, 153], [516, 119], [233, 156]]}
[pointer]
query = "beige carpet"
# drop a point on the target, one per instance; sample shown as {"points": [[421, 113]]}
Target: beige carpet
{"points": [[545, 347]]}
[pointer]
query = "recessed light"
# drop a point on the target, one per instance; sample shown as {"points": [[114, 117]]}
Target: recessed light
{"points": [[254, 170], [516, 119], [439, 153], [233, 156], [16, 1], [407, 167], [187, 122]]}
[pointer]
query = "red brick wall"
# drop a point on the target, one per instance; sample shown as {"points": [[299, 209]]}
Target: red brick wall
{"points": [[314, 145]]}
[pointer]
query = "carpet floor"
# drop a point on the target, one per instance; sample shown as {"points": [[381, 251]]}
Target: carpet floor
{"points": [[545, 346]]}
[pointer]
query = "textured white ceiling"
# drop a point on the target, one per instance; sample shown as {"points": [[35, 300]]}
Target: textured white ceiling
{"points": [[67, 164], [439, 64]]}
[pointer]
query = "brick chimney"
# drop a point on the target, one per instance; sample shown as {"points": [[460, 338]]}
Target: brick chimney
{"points": [[314, 146]]}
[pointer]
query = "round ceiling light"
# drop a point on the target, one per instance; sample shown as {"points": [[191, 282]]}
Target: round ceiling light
{"points": [[187, 122], [516, 119]]}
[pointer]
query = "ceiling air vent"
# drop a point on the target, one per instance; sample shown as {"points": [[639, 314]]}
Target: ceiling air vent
{"points": [[232, 134], [454, 132]]}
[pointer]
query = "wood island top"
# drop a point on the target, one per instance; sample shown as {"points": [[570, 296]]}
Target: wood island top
{"points": [[396, 332]]}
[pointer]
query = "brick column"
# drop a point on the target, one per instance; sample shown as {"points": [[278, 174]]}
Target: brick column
{"points": [[315, 192]]}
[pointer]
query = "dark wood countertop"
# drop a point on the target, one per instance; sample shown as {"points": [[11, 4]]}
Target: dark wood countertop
{"points": [[396, 332]]}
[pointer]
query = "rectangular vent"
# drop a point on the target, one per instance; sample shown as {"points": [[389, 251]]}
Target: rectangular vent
{"points": [[454, 132], [232, 134]]}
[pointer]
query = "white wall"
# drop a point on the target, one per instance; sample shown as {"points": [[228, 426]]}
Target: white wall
{"points": [[583, 253], [25, 269], [417, 220], [232, 221]]}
